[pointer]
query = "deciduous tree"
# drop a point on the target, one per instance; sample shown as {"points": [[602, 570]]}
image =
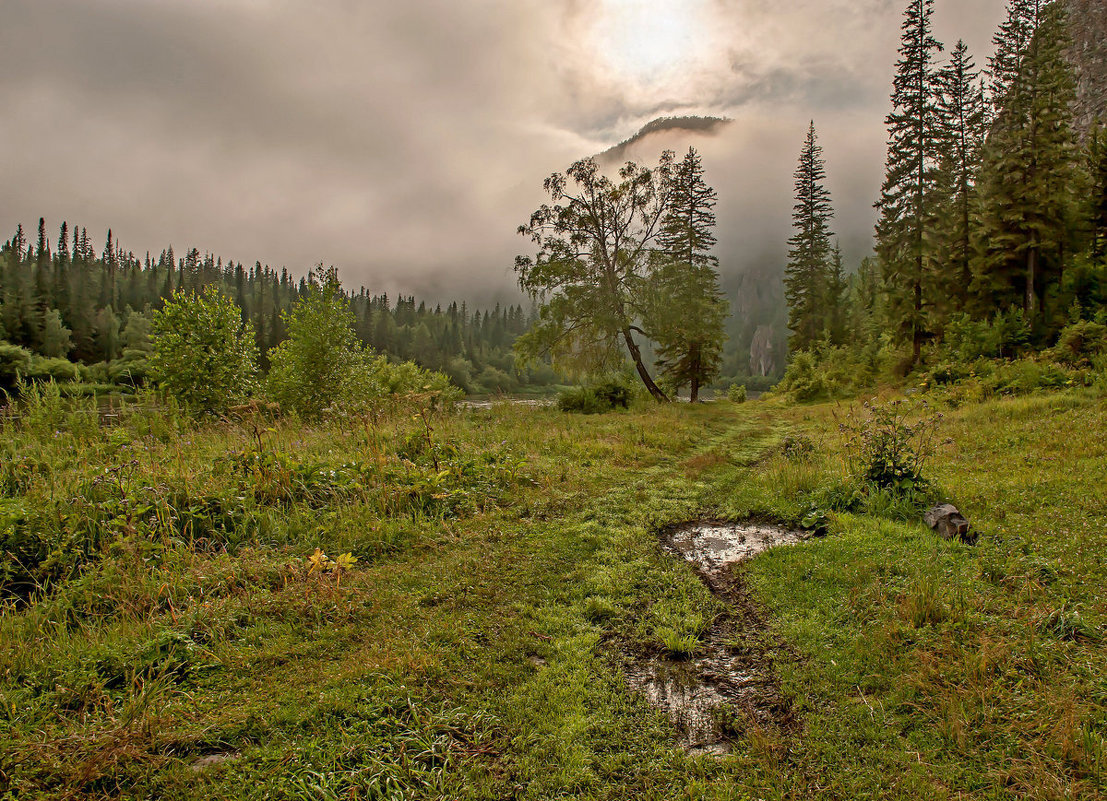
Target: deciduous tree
{"points": [[594, 244]]}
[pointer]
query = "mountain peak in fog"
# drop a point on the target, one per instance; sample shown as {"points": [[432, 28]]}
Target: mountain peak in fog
{"points": [[707, 126]]}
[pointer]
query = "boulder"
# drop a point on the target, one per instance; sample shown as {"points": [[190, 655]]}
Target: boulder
{"points": [[948, 522]]}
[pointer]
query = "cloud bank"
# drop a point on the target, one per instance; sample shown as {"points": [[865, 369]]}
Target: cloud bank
{"points": [[404, 142]]}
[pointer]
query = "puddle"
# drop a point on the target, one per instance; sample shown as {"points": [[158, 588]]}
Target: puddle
{"points": [[720, 681], [711, 547]]}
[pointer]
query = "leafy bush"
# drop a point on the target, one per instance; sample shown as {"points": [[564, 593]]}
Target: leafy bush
{"points": [[599, 398], [736, 393], [967, 339], [1079, 343], [14, 363], [836, 372], [803, 380], [408, 378], [797, 447], [887, 448], [322, 368], [204, 356], [49, 369], [581, 400]]}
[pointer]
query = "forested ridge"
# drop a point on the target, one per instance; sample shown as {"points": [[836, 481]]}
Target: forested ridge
{"points": [[61, 299]]}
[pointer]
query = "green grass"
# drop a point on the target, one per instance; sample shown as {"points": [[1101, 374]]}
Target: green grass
{"points": [[505, 558]]}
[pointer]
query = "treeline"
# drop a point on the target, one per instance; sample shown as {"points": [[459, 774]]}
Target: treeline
{"points": [[992, 235], [62, 299]]}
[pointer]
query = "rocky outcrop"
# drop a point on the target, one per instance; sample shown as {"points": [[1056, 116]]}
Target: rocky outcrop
{"points": [[1088, 25]]}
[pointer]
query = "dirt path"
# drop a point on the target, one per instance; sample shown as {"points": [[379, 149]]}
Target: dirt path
{"points": [[728, 684]]}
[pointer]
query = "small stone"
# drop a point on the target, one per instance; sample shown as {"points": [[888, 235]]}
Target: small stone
{"points": [[211, 760]]}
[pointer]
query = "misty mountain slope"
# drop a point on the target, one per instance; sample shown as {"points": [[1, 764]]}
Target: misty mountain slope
{"points": [[684, 127]]}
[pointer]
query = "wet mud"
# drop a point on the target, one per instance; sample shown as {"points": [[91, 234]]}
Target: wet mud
{"points": [[729, 684]]}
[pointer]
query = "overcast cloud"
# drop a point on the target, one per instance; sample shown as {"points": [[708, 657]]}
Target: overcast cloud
{"points": [[404, 141]]}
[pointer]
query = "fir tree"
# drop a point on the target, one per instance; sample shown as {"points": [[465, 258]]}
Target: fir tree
{"points": [[913, 153], [1097, 172], [688, 312], [1029, 168], [962, 112], [809, 256], [63, 242]]}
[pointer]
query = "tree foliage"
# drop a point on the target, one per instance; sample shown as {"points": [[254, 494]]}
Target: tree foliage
{"points": [[807, 278], [203, 354], [1029, 167], [594, 244], [963, 119], [911, 171], [685, 312]]}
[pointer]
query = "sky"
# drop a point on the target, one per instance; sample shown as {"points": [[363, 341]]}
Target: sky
{"points": [[404, 142]]}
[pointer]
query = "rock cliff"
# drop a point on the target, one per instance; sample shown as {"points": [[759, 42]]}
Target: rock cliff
{"points": [[1088, 23]]}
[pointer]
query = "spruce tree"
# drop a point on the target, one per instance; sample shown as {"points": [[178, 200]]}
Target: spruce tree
{"points": [[809, 257], [962, 112], [906, 218], [63, 242], [687, 313], [1029, 167], [835, 298]]}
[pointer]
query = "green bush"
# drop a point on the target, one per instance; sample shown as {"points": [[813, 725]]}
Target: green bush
{"points": [[736, 393], [322, 368], [967, 339], [204, 356], [805, 380], [888, 444], [599, 398], [1079, 343], [15, 362], [50, 369]]}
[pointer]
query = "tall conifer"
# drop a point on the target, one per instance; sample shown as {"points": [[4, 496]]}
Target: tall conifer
{"points": [[688, 310], [963, 117], [914, 137], [809, 257], [1029, 168]]}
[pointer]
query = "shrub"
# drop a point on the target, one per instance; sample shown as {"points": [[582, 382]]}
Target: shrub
{"points": [[599, 398], [322, 367], [311, 369], [581, 400], [887, 449], [49, 369], [736, 393], [967, 339], [803, 380], [1079, 343], [14, 363], [203, 354]]}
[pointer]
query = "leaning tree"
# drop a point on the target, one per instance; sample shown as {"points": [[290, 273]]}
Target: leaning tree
{"points": [[591, 270]]}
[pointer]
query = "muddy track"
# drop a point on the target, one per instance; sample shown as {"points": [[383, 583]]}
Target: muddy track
{"points": [[729, 685]]}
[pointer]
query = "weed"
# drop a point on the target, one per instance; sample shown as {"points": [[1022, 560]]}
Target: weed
{"points": [[890, 444], [1066, 623]]}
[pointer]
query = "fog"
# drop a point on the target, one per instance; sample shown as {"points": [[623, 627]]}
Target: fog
{"points": [[405, 142]]}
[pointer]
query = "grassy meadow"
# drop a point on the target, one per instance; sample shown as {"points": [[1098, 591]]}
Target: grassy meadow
{"points": [[172, 629]]}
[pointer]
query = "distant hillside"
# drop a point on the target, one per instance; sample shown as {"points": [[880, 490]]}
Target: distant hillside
{"points": [[695, 125], [1088, 22]]}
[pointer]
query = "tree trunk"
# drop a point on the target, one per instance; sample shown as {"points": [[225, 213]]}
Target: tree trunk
{"points": [[1032, 280], [916, 331], [643, 373], [695, 358]]}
